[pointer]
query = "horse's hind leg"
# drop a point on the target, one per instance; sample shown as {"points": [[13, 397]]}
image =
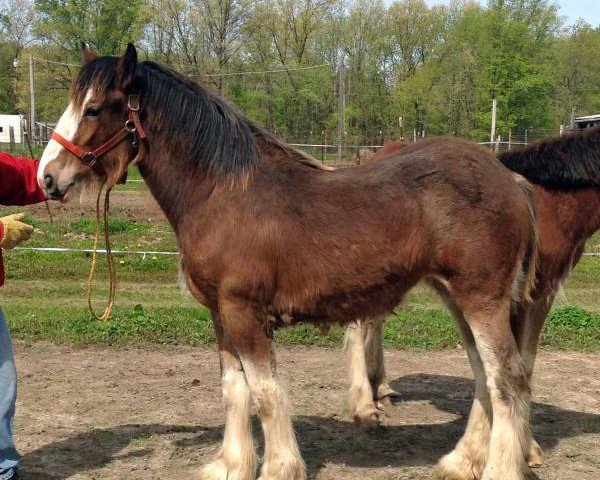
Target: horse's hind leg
{"points": [[508, 389], [373, 338], [467, 460], [236, 459], [361, 392], [248, 332]]}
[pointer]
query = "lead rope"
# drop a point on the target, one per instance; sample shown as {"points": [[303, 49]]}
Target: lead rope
{"points": [[109, 258]]}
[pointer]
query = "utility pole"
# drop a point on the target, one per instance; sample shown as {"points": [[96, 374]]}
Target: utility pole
{"points": [[32, 100], [341, 108], [15, 66], [493, 134], [401, 124]]}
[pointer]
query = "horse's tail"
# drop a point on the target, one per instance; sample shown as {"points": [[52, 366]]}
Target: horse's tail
{"points": [[525, 282]]}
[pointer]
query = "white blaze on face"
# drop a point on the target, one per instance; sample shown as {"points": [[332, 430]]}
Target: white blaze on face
{"points": [[66, 127]]}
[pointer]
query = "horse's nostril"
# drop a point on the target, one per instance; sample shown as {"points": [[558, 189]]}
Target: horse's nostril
{"points": [[48, 181]]}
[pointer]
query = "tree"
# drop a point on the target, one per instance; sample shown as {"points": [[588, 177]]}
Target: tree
{"points": [[105, 25], [577, 72]]}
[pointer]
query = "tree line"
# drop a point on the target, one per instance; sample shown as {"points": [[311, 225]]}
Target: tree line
{"points": [[293, 65]]}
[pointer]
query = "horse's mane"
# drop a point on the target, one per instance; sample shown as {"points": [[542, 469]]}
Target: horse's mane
{"points": [[571, 161], [201, 127]]}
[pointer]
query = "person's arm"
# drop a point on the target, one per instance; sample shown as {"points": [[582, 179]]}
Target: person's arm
{"points": [[18, 181]]}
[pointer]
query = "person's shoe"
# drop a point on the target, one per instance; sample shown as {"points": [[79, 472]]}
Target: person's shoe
{"points": [[11, 474]]}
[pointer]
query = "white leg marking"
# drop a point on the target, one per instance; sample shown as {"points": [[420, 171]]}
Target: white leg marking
{"points": [[373, 338], [510, 439], [282, 460], [467, 460], [236, 460], [360, 398]]}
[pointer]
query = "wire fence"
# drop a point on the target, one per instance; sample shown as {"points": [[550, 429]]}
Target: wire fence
{"points": [[143, 253]]}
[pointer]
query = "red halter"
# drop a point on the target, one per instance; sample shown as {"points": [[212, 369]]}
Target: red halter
{"points": [[91, 158]]}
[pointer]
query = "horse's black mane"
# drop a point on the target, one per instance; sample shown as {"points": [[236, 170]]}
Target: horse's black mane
{"points": [[567, 162], [202, 127]]}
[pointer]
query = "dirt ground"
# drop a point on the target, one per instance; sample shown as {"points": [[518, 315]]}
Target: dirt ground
{"points": [[137, 205], [104, 413]]}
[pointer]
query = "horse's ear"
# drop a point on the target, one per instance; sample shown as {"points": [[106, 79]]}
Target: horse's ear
{"points": [[126, 68], [87, 55]]}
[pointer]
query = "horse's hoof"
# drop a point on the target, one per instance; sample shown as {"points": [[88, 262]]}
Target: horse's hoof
{"points": [[535, 458], [387, 397], [456, 466], [497, 474], [219, 470], [368, 419], [290, 468]]}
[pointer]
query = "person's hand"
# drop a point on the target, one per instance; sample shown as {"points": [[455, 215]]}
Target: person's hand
{"points": [[15, 231]]}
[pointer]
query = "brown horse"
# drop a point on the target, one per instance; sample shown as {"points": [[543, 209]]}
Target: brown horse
{"points": [[565, 173], [268, 239]]}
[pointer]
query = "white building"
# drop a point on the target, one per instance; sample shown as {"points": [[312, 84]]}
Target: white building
{"points": [[7, 121]]}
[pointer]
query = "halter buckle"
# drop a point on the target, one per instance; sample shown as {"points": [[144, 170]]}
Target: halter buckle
{"points": [[133, 103], [90, 159]]}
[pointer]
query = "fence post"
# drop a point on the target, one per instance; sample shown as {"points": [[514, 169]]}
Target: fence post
{"points": [[11, 139], [493, 132], [341, 126]]}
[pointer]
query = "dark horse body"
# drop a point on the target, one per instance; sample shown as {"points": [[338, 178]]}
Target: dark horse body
{"points": [[565, 176], [268, 239]]}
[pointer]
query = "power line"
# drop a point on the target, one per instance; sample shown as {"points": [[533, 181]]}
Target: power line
{"points": [[281, 70], [225, 74]]}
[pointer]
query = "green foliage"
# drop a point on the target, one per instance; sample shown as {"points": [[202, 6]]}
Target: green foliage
{"points": [[106, 25]]}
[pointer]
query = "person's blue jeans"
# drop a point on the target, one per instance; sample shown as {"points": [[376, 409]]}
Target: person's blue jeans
{"points": [[9, 458]]}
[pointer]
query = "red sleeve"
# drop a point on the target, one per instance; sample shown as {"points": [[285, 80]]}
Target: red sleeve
{"points": [[18, 181]]}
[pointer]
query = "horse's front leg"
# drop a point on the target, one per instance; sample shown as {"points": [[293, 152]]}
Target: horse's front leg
{"points": [[527, 324], [236, 459], [360, 397], [249, 334]]}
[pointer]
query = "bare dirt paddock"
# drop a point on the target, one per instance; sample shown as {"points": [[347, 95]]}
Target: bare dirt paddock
{"points": [[103, 413]]}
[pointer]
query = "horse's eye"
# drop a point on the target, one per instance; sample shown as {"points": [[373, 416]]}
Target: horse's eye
{"points": [[92, 112]]}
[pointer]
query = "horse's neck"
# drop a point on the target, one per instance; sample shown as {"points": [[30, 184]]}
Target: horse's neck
{"points": [[588, 201], [172, 185], [576, 212]]}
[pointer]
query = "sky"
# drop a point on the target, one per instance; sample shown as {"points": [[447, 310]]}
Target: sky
{"points": [[589, 10]]}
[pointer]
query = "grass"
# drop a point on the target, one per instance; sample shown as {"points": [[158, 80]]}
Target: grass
{"points": [[411, 328], [44, 298]]}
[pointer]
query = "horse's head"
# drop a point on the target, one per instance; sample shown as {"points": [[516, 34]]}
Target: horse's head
{"points": [[97, 136]]}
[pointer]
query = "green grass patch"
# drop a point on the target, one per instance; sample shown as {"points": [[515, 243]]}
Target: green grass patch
{"points": [[32, 265], [412, 328], [115, 226], [572, 328], [190, 326]]}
